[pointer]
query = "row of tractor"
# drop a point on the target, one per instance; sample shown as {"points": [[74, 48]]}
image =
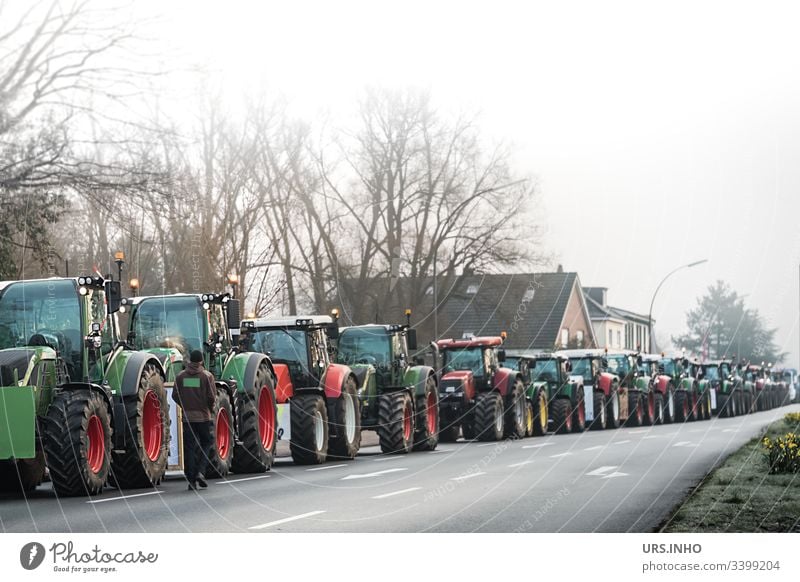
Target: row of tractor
{"points": [[86, 375]]}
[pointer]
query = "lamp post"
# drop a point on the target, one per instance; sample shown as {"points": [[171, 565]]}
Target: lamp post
{"points": [[119, 259], [653, 300]]}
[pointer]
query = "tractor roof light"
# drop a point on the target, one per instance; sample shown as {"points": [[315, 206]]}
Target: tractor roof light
{"points": [[133, 283], [233, 279], [119, 256], [503, 335], [335, 313]]}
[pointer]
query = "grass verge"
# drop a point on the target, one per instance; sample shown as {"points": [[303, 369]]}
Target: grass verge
{"points": [[741, 496]]}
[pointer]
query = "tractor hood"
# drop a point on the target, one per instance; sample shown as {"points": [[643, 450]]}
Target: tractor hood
{"points": [[453, 382], [14, 363]]}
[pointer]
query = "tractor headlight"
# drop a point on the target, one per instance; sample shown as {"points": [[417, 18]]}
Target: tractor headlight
{"points": [[83, 290], [206, 306]]}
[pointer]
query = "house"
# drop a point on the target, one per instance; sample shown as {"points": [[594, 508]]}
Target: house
{"points": [[615, 327]]}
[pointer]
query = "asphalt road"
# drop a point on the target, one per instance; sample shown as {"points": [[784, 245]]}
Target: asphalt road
{"points": [[610, 481]]}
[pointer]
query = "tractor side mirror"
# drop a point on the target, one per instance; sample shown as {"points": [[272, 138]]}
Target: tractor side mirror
{"points": [[685, 362], [568, 366], [113, 295], [639, 360], [501, 356], [233, 314], [411, 337], [333, 331], [604, 362]]}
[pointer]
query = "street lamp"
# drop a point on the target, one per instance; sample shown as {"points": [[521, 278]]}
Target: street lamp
{"points": [[653, 300], [233, 281]]}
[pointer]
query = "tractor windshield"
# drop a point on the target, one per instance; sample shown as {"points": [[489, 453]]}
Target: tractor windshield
{"points": [[582, 367], [544, 370], [712, 372], [287, 346], [470, 359], [169, 322], [364, 345], [619, 364], [667, 366]]}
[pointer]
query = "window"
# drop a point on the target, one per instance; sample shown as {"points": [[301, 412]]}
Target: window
{"points": [[564, 337], [610, 338], [472, 290], [619, 339], [579, 337]]}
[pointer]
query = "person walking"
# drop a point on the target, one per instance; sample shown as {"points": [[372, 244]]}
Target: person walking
{"points": [[194, 392]]}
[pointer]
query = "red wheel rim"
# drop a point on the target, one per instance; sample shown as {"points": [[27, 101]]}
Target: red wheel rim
{"points": [[266, 418], [151, 425], [97, 444], [568, 419], [407, 424], [651, 406], [223, 433], [582, 413], [685, 407], [433, 413]]}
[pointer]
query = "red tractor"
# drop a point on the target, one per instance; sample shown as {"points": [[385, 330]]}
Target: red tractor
{"points": [[476, 393]]}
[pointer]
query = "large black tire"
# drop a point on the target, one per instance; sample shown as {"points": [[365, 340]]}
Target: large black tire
{"points": [[561, 413], [599, 411], [144, 461], [658, 406], [489, 416], [396, 422], [309, 420], [612, 410], [579, 416], [635, 409], [22, 474], [256, 414], [726, 405], [529, 418], [76, 434], [514, 422], [683, 409], [222, 436], [707, 405], [541, 416], [449, 433], [345, 432], [426, 435]]}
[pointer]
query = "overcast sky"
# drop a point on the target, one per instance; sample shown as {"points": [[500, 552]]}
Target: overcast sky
{"points": [[659, 135]]}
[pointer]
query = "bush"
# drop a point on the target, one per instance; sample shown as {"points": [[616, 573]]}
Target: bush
{"points": [[783, 453]]}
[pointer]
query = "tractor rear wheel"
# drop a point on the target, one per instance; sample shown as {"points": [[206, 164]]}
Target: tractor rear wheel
{"points": [[682, 406], [396, 422], [514, 423], [561, 411], [426, 436], [658, 406], [489, 416], [725, 405], [529, 418], [541, 415], [309, 422], [257, 416], [635, 409], [669, 406], [144, 462], [22, 474], [707, 406], [612, 410], [449, 433], [579, 416], [345, 439], [222, 424], [599, 411], [77, 442]]}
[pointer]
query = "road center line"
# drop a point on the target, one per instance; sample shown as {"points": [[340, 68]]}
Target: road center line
{"points": [[286, 520], [520, 464], [232, 481], [537, 446], [600, 471], [375, 474], [393, 493], [594, 448], [622, 442], [470, 476], [392, 458], [560, 455], [120, 498], [325, 467]]}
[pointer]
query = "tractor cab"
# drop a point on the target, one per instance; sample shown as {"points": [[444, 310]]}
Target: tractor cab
{"points": [[480, 356], [385, 348]]}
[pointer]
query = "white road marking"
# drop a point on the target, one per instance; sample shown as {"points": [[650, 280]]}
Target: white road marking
{"points": [[325, 467], [375, 474], [621, 442], [594, 448], [560, 455], [600, 471], [537, 446], [682, 444], [437, 451], [392, 458], [393, 493], [232, 481], [652, 436], [612, 475], [287, 520], [730, 430], [640, 431], [489, 444], [124, 497], [520, 464], [470, 476]]}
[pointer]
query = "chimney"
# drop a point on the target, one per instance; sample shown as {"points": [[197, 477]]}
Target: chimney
{"points": [[598, 294], [560, 268]]}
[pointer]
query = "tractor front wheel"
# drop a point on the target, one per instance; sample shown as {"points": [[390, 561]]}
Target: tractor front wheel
{"points": [[257, 416], [635, 409], [489, 416], [683, 411], [223, 435], [561, 409], [514, 423], [426, 437], [77, 442], [541, 415], [345, 438], [579, 416], [612, 410], [309, 422], [529, 418], [396, 422], [599, 412], [658, 406]]}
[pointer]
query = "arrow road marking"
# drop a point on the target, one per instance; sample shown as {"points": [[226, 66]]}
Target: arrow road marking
{"points": [[375, 474], [601, 471], [612, 475], [287, 520], [393, 493]]}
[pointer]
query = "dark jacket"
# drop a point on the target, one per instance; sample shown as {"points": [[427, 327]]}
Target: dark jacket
{"points": [[195, 393]]}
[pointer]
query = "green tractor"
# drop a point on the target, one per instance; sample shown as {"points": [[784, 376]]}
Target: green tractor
{"points": [[692, 392], [566, 403], [318, 408], [728, 387], [399, 399], [75, 400], [245, 414]]}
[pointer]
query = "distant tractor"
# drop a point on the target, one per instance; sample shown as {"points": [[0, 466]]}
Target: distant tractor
{"points": [[536, 406], [477, 393], [637, 394], [763, 386], [244, 418], [398, 400], [566, 400], [729, 388], [601, 387], [692, 399], [324, 418], [76, 400]]}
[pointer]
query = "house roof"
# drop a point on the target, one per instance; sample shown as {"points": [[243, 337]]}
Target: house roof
{"points": [[625, 314], [599, 313], [505, 303]]}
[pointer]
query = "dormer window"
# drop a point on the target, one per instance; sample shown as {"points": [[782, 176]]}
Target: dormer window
{"points": [[472, 290]]}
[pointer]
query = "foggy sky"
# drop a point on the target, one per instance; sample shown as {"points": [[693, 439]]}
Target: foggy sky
{"points": [[658, 135]]}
